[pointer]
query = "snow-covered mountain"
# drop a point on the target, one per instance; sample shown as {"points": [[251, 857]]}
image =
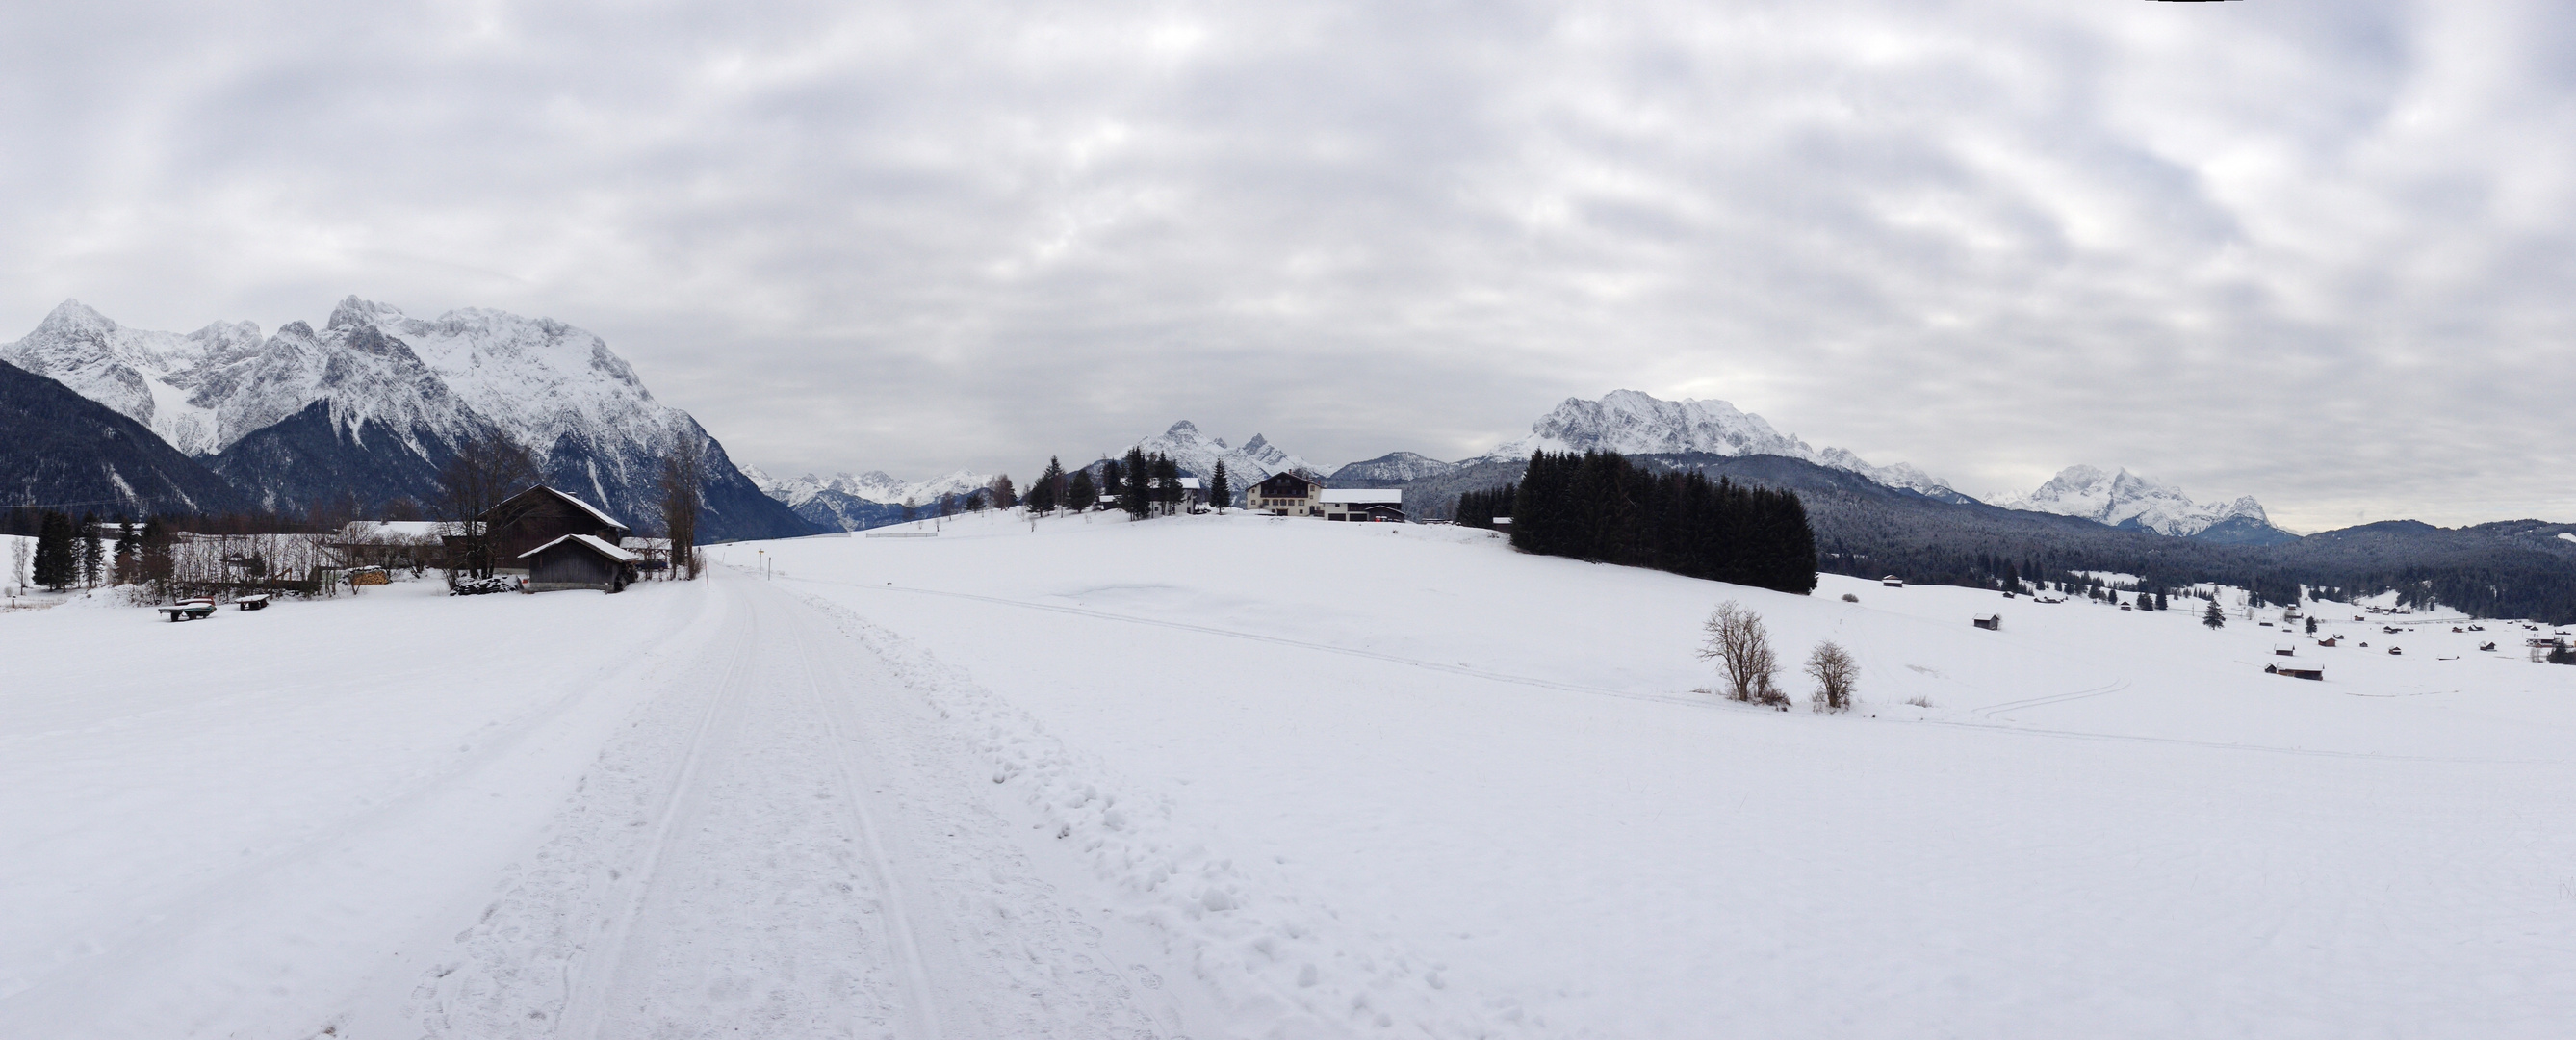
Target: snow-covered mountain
{"points": [[872, 486], [1635, 423], [369, 406], [856, 501], [167, 381], [1197, 454], [1392, 468], [2125, 499]]}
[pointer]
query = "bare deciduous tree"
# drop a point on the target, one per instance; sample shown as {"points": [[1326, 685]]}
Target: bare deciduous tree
{"points": [[1835, 673], [683, 473], [485, 472], [1742, 649]]}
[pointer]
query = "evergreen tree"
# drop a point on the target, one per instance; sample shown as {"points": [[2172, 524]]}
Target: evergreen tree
{"points": [[1167, 484], [1599, 506], [128, 543], [1113, 479], [2312, 626], [1136, 499], [2213, 617], [1048, 492], [1220, 493], [1079, 496], [56, 564], [93, 556], [152, 553]]}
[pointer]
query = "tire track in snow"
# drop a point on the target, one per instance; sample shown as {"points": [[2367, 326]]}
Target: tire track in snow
{"points": [[591, 972], [1992, 710], [222, 904], [920, 1008]]}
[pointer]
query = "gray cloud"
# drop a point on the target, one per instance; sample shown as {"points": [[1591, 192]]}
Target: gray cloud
{"points": [[2314, 252]]}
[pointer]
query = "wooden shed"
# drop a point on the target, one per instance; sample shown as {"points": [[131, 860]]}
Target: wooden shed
{"points": [[578, 561], [542, 516]]}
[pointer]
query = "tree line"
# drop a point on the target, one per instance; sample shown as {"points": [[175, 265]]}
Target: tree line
{"points": [[1138, 484], [1600, 506]]}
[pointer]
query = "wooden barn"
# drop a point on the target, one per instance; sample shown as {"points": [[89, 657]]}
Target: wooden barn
{"points": [[542, 516], [578, 561]]}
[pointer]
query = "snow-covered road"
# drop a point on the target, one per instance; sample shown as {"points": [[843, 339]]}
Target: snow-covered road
{"points": [[719, 813]]}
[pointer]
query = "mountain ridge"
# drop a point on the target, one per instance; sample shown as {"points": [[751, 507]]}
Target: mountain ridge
{"points": [[371, 405]]}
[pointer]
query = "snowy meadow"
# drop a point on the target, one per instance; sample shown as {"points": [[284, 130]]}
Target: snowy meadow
{"points": [[1245, 776]]}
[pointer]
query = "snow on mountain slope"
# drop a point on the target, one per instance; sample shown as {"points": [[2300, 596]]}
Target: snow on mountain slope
{"points": [[1393, 468], [1197, 454], [363, 375], [544, 382], [375, 401], [168, 382], [1635, 423], [2125, 499], [873, 486]]}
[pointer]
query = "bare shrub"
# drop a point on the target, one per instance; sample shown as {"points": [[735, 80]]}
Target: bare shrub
{"points": [[1835, 673], [1742, 649], [1919, 701], [1849, 598]]}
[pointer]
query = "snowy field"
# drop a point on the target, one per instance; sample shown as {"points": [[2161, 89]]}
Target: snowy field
{"points": [[1217, 777]]}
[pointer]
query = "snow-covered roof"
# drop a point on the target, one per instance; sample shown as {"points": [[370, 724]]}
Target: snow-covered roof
{"points": [[586, 507], [600, 547], [1192, 484], [1364, 496], [358, 530]]}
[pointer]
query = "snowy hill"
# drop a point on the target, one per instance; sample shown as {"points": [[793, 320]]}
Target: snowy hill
{"points": [[2125, 499], [1634, 423], [375, 401], [1391, 469]]}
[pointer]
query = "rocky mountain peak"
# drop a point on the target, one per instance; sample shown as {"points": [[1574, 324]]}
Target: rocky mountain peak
{"points": [[2124, 499]]}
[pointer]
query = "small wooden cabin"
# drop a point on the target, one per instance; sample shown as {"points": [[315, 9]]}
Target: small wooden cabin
{"points": [[578, 561], [541, 516], [1990, 624], [2318, 674], [1892, 581]]}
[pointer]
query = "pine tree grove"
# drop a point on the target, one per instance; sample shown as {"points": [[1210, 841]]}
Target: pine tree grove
{"points": [[1599, 506]]}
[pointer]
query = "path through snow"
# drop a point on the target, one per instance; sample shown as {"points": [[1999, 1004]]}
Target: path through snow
{"points": [[743, 824]]}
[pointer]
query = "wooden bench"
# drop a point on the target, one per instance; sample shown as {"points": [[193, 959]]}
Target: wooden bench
{"points": [[191, 610]]}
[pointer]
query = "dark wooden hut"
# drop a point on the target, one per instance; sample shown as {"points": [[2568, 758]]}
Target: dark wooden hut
{"points": [[542, 515], [578, 561]]}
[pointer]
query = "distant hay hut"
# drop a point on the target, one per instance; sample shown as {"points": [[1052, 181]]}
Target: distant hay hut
{"points": [[578, 561]]}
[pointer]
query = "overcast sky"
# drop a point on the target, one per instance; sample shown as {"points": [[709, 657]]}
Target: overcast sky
{"points": [[2317, 251]]}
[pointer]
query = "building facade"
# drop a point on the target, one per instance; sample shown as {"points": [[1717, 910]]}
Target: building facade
{"points": [[1285, 494]]}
